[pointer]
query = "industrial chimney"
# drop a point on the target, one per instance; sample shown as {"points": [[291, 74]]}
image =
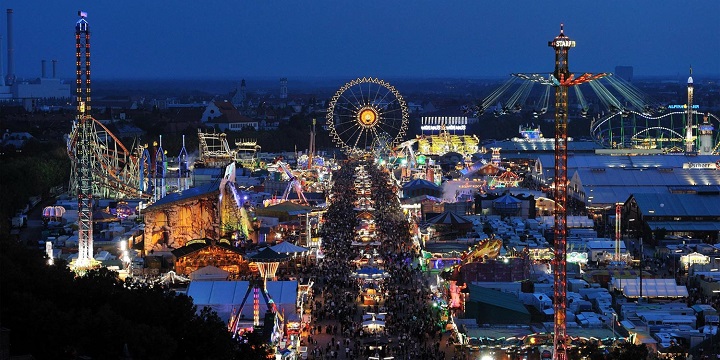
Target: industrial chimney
{"points": [[43, 64], [2, 74], [10, 79]]}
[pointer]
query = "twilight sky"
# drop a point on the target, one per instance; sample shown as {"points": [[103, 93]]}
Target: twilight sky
{"points": [[343, 38]]}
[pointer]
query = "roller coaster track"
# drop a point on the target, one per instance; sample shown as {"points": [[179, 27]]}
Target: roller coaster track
{"points": [[114, 168]]}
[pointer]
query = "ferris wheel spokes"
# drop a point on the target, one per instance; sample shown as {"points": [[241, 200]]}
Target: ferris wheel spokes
{"points": [[363, 110]]}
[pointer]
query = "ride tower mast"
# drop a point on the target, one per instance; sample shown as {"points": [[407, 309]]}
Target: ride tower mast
{"points": [[562, 79], [83, 159], [311, 150], [689, 139]]}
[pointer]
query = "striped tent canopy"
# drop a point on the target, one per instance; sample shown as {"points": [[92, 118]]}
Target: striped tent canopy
{"points": [[268, 255], [448, 218]]}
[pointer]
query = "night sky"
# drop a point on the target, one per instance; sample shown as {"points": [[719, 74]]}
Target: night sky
{"points": [[226, 39]]}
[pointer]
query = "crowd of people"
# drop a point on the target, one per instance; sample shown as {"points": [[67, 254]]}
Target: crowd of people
{"points": [[410, 328]]}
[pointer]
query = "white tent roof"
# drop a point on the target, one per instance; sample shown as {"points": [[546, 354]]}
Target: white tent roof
{"points": [[667, 288], [373, 324], [224, 296], [104, 255], [288, 247], [209, 273]]}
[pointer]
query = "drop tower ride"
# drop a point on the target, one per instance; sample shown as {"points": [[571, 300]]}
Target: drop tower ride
{"points": [[84, 122], [562, 79]]}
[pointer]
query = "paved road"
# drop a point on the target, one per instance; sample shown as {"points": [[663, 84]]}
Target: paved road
{"points": [[31, 234]]}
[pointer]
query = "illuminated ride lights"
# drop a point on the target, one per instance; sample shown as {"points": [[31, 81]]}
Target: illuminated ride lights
{"points": [[364, 110]]}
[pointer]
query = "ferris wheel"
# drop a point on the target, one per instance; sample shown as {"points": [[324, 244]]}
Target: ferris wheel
{"points": [[365, 111]]}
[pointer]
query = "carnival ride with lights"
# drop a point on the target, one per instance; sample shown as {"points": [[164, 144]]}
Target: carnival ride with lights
{"points": [[101, 166], [101, 160], [561, 80], [246, 153], [214, 149], [233, 206], [273, 318], [366, 112], [448, 138], [622, 116], [486, 249], [294, 184], [667, 131]]}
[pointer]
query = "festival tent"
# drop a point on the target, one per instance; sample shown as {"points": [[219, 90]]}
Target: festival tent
{"points": [[268, 261], [449, 225], [420, 187], [651, 288], [224, 296], [449, 218], [288, 248], [507, 205], [268, 255], [284, 211]]}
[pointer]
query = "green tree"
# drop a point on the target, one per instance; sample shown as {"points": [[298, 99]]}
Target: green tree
{"points": [[253, 347], [629, 351], [100, 316]]}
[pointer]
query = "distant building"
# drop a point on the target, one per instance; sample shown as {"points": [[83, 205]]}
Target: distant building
{"points": [[225, 116], [114, 103], [33, 93], [240, 96], [126, 130], [283, 88], [680, 214], [624, 72], [42, 88], [602, 181]]}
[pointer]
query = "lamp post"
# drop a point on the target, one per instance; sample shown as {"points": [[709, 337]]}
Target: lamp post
{"points": [[614, 319], [641, 267], [677, 251]]}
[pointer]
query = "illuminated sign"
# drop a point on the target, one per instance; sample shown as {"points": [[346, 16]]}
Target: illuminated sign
{"points": [[440, 127], [443, 120], [196, 241], [684, 106], [564, 43], [471, 186], [578, 258], [715, 165]]}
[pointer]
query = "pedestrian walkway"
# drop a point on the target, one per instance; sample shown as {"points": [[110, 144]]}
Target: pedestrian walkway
{"points": [[410, 328]]}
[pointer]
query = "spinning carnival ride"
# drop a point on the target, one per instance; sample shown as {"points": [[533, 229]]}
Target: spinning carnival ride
{"points": [[366, 114], [622, 116], [638, 127]]}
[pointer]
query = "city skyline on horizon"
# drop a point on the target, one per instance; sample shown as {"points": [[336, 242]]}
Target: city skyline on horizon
{"points": [[328, 40]]}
